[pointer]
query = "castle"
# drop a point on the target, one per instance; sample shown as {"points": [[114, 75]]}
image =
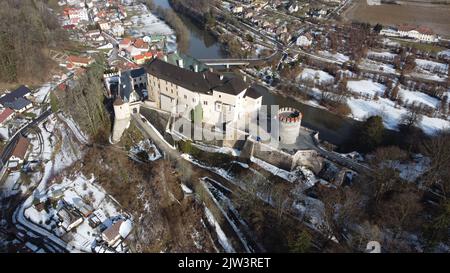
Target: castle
{"points": [[179, 88]]}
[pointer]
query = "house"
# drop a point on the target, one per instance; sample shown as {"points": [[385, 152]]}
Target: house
{"points": [[420, 33], [16, 99], [76, 15], [304, 40], [19, 152], [111, 235], [6, 115], [94, 221], [118, 30], [237, 9], [104, 25], [77, 61], [119, 230], [69, 217]]}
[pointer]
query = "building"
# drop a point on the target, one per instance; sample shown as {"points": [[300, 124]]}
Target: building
{"points": [[119, 230], [77, 61], [16, 99], [19, 152], [111, 235], [420, 33], [221, 98], [6, 115], [69, 217]]}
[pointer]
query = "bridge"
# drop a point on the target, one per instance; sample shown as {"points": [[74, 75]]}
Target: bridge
{"points": [[237, 62], [228, 62]]}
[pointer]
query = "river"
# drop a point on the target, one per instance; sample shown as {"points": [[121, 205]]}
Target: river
{"points": [[331, 128]]}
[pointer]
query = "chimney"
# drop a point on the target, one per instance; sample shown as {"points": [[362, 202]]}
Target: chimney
{"points": [[196, 68]]}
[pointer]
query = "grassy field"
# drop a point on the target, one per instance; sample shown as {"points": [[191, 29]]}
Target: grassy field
{"points": [[433, 16]]}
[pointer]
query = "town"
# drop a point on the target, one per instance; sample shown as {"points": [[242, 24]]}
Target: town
{"points": [[244, 126]]}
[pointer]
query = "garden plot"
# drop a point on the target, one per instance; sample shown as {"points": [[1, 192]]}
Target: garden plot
{"points": [[366, 88], [318, 76], [410, 97]]}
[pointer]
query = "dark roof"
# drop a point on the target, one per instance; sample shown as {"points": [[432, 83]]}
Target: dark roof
{"points": [[182, 77], [204, 82], [137, 72], [18, 93], [17, 104], [252, 93], [232, 86]]}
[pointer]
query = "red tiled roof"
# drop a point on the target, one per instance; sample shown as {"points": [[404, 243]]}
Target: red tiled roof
{"points": [[77, 59], [6, 114], [139, 43], [125, 41], [138, 57], [425, 30], [406, 27], [113, 231], [21, 148]]}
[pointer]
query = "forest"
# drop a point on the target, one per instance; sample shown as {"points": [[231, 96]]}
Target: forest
{"points": [[28, 30]]}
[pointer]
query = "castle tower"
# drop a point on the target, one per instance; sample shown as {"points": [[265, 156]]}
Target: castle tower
{"points": [[122, 117], [290, 121]]}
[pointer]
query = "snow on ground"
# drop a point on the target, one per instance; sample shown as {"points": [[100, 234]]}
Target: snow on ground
{"points": [[76, 192], [412, 170], [148, 147], [10, 186], [289, 176], [217, 149], [423, 74], [362, 109], [223, 240], [366, 87], [381, 55], [42, 93], [145, 23], [337, 56], [410, 97], [316, 75], [377, 66], [432, 66]]}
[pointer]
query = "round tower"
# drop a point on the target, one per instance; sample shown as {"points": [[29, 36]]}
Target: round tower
{"points": [[290, 121], [122, 117]]}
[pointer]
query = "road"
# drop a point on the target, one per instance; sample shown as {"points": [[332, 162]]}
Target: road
{"points": [[9, 148]]}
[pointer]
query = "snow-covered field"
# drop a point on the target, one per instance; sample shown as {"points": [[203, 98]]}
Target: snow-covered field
{"points": [[377, 66], [432, 66], [381, 55], [410, 97], [146, 23], [366, 88], [339, 57], [392, 115], [316, 75]]}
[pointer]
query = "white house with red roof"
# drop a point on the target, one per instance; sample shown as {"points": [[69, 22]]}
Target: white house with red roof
{"points": [[421, 33]]}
